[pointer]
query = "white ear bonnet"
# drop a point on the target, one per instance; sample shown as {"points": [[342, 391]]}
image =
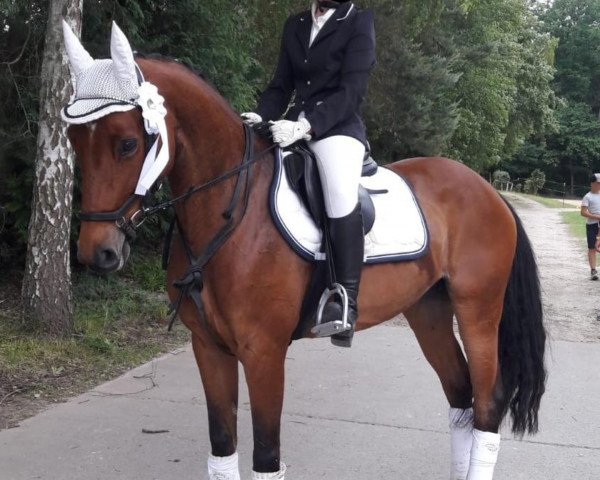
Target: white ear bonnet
{"points": [[114, 85]]}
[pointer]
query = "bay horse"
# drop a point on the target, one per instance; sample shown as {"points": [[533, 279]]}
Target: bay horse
{"points": [[479, 268]]}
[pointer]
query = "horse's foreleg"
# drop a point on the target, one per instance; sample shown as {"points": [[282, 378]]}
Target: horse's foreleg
{"points": [[219, 371], [264, 369], [478, 320], [431, 320]]}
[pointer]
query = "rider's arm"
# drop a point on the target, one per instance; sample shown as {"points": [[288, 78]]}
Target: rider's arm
{"points": [[275, 99]]}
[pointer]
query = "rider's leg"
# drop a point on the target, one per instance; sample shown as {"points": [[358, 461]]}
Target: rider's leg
{"points": [[339, 159]]}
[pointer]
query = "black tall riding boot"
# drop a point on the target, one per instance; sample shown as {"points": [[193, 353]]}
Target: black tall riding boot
{"points": [[348, 245]]}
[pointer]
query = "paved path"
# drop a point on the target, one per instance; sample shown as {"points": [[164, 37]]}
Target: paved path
{"points": [[373, 412], [571, 299]]}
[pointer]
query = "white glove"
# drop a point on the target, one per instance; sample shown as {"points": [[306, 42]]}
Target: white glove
{"points": [[286, 132], [251, 118]]}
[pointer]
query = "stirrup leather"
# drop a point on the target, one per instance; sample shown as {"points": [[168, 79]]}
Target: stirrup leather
{"points": [[335, 326]]}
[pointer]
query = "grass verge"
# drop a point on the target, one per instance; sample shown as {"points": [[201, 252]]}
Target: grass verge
{"points": [[575, 222], [549, 202], [119, 323], [570, 215]]}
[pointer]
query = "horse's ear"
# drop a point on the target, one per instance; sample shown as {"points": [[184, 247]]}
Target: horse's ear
{"points": [[122, 56], [79, 58]]}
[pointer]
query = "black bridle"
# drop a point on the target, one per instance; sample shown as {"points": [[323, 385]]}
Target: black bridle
{"points": [[191, 283], [129, 225]]}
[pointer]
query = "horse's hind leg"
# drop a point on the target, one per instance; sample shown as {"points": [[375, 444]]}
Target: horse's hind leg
{"points": [[431, 320], [478, 315], [219, 371]]}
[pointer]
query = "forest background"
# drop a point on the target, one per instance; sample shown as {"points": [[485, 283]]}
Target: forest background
{"points": [[496, 84]]}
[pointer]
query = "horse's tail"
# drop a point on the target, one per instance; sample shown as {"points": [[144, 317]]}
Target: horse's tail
{"points": [[522, 338]]}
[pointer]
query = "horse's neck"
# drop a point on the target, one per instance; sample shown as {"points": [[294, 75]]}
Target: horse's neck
{"points": [[209, 142]]}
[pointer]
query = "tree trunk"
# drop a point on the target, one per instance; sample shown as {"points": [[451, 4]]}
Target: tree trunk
{"points": [[46, 290]]}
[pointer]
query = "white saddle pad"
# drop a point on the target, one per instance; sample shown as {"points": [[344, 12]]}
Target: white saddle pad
{"points": [[399, 233]]}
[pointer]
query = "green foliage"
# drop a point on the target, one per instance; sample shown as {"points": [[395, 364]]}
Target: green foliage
{"points": [[575, 223], [569, 152], [503, 62], [535, 182], [500, 179], [578, 139], [119, 322], [213, 36], [22, 29], [468, 79], [575, 23], [409, 110]]}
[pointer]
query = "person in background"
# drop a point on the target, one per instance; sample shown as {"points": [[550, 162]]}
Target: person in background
{"points": [[590, 209]]}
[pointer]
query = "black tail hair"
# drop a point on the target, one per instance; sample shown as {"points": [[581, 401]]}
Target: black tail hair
{"points": [[522, 338]]}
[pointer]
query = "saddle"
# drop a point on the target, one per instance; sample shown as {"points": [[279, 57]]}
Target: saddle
{"points": [[397, 233], [303, 177]]}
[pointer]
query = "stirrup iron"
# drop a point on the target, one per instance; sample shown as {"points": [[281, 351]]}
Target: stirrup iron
{"points": [[335, 326]]}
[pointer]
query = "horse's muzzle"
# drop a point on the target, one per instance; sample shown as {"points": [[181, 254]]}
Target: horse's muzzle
{"points": [[106, 256], [107, 260]]}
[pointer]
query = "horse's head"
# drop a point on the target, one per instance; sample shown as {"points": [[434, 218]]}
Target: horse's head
{"points": [[114, 118]]}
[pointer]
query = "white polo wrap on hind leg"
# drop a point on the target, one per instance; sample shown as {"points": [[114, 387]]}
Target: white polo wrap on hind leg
{"points": [[484, 454], [461, 438], [280, 475], [223, 468]]}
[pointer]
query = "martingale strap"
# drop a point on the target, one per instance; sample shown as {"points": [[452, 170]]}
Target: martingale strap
{"points": [[191, 283]]}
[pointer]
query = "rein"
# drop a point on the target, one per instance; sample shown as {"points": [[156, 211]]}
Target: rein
{"points": [[129, 226], [191, 284]]}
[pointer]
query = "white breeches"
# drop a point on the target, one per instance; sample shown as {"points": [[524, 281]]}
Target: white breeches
{"points": [[339, 159]]}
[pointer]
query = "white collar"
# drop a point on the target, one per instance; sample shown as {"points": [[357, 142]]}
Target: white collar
{"points": [[320, 21]]}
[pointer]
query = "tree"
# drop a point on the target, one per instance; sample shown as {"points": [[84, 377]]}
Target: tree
{"points": [[575, 148], [575, 23], [504, 62], [409, 111], [572, 150], [22, 31], [215, 37], [46, 290]]}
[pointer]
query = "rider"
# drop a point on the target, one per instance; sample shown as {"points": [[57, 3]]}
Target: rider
{"points": [[326, 57]]}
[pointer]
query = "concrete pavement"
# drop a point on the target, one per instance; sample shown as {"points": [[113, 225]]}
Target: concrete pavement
{"points": [[374, 411]]}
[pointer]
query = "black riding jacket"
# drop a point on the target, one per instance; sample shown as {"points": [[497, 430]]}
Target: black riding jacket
{"points": [[329, 77]]}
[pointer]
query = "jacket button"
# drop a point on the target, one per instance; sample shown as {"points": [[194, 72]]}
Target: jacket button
{"points": [[308, 82], [306, 60]]}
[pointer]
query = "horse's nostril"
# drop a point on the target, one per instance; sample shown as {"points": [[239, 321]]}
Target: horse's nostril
{"points": [[106, 259]]}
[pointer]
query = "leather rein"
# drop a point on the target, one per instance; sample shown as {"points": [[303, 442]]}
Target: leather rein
{"points": [[191, 283]]}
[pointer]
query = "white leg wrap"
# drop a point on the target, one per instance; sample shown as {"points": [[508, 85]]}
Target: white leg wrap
{"points": [[461, 438], [280, 475], [484, 454], [223, 468]]}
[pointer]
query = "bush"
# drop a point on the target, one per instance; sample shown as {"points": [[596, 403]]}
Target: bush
{"points": [[535, 182], [500, 180]]}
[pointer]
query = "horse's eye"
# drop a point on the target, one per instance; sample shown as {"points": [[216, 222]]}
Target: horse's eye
{"points": [[127, 147]]}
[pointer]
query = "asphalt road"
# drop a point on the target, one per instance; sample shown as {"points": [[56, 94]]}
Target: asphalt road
{"points": [[374, 411]]}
